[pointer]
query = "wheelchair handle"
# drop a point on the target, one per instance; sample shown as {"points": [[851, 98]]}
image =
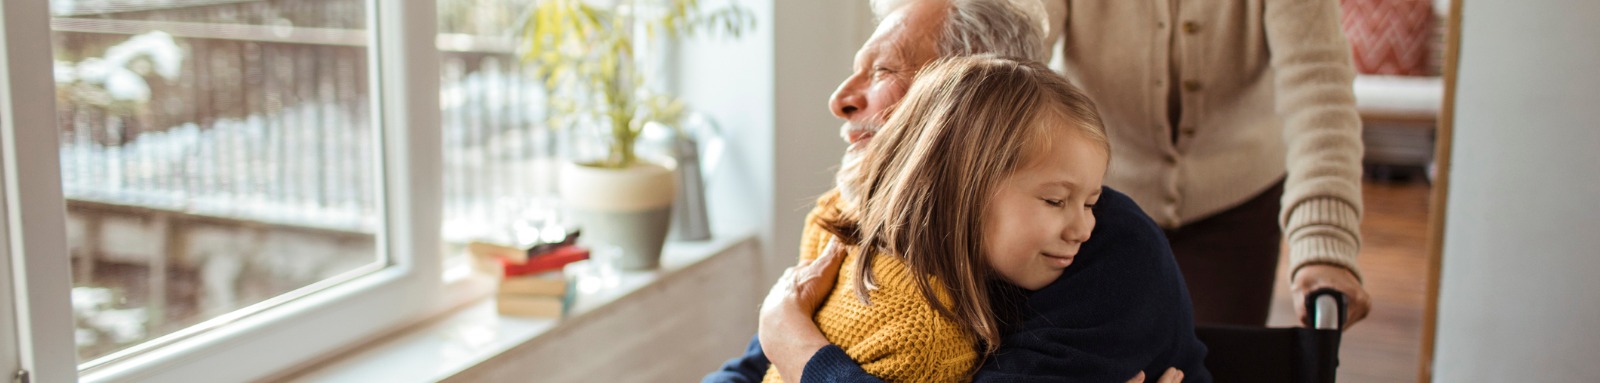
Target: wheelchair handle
{"points": [[1327, 309]]}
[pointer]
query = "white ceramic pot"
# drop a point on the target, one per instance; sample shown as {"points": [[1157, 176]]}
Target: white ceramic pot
{"points": [[628, 208]]}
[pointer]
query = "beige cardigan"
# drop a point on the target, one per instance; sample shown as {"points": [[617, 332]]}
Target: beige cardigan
{"points": [[1265, 90]]}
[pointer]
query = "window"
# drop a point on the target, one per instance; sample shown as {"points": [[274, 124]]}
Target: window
{"points": [[499, 155], [9, 360], [212, 174], [213, 157]]}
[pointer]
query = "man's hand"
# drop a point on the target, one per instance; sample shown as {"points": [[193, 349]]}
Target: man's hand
{"points": [[1313, 277], [787, 333], [1173, 375]]}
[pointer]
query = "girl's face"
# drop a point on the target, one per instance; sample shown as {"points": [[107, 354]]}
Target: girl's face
{"points": [[1042, 212]]}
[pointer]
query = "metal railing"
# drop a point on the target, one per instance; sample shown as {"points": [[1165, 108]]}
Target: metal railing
{"points": [[236, 139], [269, 122]]}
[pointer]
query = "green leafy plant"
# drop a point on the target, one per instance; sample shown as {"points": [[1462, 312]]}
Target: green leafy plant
{"points": [[580, 48]]}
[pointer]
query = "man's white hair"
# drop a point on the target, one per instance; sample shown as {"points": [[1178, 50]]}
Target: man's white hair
{"points": [[1014, 28]]}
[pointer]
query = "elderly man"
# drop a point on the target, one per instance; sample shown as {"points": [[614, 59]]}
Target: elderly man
{"points": [[1121, 311]]}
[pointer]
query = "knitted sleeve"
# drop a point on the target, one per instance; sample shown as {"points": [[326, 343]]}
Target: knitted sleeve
{"points": [[1322, 196], [898, 336]]}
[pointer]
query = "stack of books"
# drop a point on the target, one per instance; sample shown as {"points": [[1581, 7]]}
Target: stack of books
{"points": [[532, 283]]}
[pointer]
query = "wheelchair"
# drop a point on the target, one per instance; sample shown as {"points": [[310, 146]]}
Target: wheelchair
{"points": [[1279, 355]]}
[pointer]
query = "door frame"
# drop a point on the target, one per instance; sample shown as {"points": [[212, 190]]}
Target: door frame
{"points": [[1441, 192]]}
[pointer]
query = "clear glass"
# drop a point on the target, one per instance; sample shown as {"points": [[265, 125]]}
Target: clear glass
{"points": [[500, 156], [216, 157]]}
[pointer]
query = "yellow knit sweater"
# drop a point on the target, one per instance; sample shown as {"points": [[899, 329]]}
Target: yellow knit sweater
{"points": [[899, 337]]}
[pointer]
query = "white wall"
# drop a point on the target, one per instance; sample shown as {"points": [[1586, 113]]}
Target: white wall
{"points": [[732, 80], [817, 41], [1520, 291], [769, 92]]}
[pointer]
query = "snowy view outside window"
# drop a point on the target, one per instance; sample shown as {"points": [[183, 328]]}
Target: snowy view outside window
{"points": [[219, 156], [215, 155], [499, 155]]}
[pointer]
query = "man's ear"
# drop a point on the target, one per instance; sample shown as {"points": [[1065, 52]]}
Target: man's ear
{"points": [[1055, 22]]}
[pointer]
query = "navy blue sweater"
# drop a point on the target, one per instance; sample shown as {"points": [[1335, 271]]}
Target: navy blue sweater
{"points": [[1120, 308]]}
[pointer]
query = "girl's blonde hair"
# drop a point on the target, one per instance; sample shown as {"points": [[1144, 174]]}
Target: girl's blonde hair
{"points": [[965, 125]]}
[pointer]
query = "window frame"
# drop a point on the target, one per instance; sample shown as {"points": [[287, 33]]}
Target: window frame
{"points": [[41, 289], [404, 66]]}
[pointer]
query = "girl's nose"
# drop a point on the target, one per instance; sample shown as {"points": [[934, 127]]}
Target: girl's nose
{"points": [[1079, 229]]}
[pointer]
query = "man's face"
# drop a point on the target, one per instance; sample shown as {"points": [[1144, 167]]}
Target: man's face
{"points": [[884, 69], [904, 42]]}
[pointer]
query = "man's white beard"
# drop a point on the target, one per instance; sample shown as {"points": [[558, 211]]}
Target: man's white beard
{"points": [[849, 179]]}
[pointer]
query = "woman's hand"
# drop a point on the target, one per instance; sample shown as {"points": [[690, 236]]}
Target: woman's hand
{"points": [[788, 335], [1314, 277], [1173, 375]]}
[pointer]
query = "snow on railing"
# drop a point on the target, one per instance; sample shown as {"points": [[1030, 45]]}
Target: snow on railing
{"points": [[282, 133]]}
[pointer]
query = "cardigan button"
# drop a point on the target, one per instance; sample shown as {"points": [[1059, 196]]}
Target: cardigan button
{"points": [[1191, 27], [1191, 85]]}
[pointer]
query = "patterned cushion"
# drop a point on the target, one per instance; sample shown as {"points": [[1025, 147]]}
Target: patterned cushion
{"points": [[1389, 36]]}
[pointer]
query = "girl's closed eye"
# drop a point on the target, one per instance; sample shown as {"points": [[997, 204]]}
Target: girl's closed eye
{"points": [[1054, 202]]}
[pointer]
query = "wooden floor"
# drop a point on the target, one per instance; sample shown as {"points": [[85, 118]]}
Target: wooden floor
{"points": [[1384, 347]]}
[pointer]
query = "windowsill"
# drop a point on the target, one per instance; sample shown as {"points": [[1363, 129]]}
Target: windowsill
{"points": [[476, 335]]}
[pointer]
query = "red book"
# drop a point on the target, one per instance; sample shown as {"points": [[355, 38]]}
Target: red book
{"points": [[553, 260]]}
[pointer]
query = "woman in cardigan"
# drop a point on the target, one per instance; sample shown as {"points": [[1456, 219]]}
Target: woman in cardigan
{"points": [[1230, 119]]}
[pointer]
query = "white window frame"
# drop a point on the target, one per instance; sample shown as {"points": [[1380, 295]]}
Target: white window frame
{"points": [[291, 335], [43, 316], [9, 360]]}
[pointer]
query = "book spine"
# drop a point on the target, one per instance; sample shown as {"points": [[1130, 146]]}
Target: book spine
{"points": [[548, 262]]}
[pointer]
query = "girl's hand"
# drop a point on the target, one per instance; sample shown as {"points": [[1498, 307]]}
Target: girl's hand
{"points": [[787, 333], [1173, 375]]}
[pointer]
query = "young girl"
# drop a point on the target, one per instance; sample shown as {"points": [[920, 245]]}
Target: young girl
{"points": [[984, 177]]}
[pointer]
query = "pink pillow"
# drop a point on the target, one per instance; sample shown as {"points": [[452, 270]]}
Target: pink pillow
{"points": [[1389, 36]]}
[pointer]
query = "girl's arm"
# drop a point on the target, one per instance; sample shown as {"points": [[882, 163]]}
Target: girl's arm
{"points": [[788, 335]]}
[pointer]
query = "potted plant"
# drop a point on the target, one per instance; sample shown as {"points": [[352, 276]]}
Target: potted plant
{"points": [[584, 51]]}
